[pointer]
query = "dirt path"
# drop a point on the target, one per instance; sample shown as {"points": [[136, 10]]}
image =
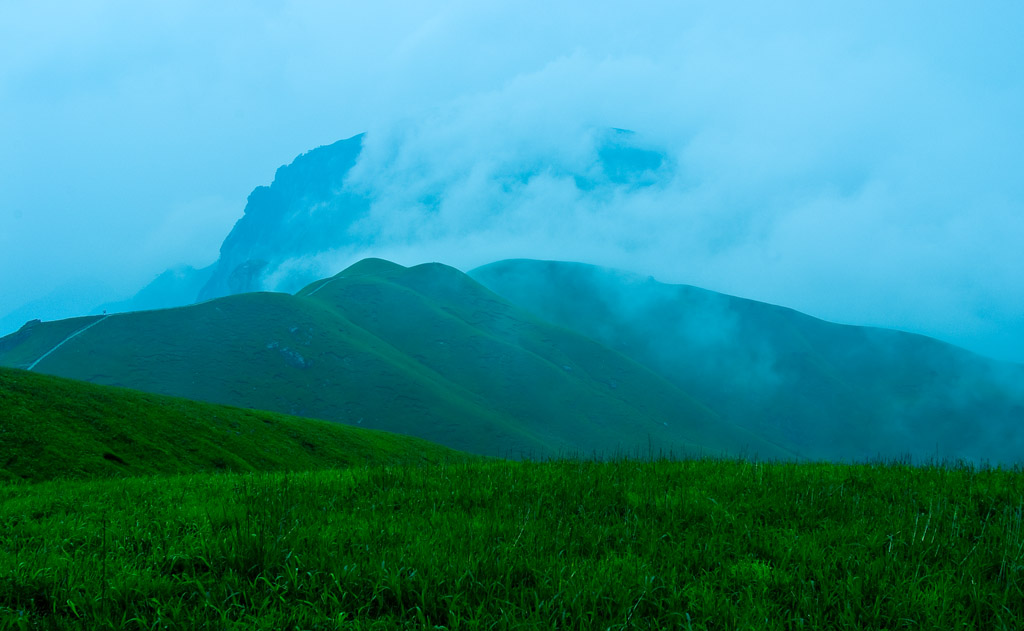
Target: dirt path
{"points": [[65, 340]]}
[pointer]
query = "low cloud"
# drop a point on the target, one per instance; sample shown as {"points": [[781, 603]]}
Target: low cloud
{"points": [[838, 184], [859, 163]]}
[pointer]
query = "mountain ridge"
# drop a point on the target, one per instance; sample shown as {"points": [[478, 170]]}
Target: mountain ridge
{"points": [[556, 358], [804, 381], [423, 350]]}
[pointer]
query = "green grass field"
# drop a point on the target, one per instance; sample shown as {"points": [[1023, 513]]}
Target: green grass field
{"points": [[624, 544]]}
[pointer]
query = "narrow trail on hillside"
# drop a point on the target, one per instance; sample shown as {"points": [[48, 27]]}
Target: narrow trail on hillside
{"points": [[65, 340], [326, 283]]}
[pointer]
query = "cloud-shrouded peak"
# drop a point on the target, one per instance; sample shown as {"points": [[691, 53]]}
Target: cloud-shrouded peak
{"points": [[361, 196], [859, 162]]}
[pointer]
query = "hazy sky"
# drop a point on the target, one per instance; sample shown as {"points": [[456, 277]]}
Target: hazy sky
{"points": [[862, 164]]}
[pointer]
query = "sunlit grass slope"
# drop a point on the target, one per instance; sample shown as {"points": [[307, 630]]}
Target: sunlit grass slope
{"points": [[59, 428], [423, 351], [824, 390], [521, 545]]}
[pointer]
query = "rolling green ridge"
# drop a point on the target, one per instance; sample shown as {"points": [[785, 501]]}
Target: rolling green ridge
{"points": [[702, 545], [423, 351], [823, 390], [52, 427], [28, 344]]}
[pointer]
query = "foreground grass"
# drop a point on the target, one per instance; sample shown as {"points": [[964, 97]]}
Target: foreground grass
{"points": [[525, 545]]}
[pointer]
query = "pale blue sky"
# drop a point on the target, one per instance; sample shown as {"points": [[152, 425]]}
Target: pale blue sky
{"points": [[860, 162]]}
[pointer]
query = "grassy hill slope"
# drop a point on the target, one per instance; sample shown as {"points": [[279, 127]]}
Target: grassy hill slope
{"points": [[52, 427], [822, 389], [423, 351]]}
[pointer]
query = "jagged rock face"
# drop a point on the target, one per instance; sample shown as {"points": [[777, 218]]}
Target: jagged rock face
{"points": [[313, 207], [306, 209]]}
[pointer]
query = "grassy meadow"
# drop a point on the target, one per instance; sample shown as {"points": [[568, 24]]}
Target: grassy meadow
{"points": [[563, 544]]}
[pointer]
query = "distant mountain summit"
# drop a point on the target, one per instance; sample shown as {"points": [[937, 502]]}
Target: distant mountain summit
{"points": [[306, 209]]}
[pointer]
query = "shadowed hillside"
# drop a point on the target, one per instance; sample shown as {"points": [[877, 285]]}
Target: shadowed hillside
{"points": [[424, 351], [822, 389]]}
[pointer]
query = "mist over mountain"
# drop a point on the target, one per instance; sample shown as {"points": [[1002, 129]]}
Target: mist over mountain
{"points": [[317, 216], [448, 188], [845, 161], [824, 390]]}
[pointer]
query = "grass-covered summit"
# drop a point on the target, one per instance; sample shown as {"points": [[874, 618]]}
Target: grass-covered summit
{"points": [[424, 351], [52, 427]]}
